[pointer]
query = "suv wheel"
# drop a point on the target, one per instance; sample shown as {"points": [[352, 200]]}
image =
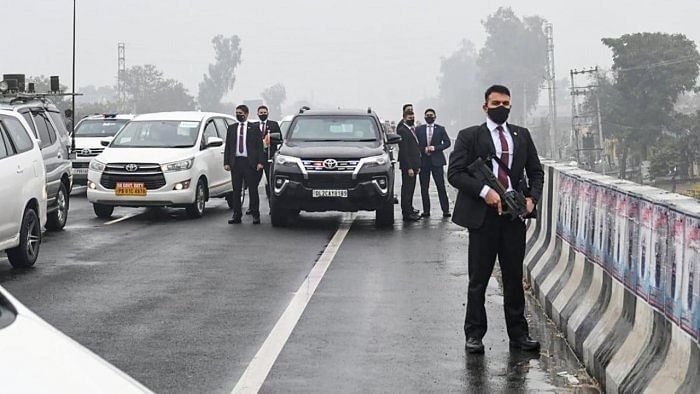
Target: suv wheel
{"points": [[278, 215], [26, 253], [196, 209], [56, 220], [385, 214], [103, 211]]}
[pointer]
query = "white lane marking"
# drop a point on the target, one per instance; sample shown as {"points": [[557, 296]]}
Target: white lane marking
{"points": [[256, 373], [123, 218]]}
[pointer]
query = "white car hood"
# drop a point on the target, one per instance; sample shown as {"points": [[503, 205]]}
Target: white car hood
{"points": [[144, 155], [88, 142], [37, 358]]}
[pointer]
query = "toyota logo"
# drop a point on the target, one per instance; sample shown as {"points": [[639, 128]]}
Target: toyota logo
{"points": [[131, 167], [85, 152], [330, 164]]}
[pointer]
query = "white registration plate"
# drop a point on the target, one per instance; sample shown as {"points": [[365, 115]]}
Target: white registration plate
{"points": [[330, 193], [80, 171]]}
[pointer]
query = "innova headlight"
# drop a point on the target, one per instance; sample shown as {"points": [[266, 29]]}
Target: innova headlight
{"points": [[97, 166], [181, 165]]}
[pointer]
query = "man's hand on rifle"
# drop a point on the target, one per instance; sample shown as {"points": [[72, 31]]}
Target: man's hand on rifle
{"points": [[494, 201], [530, 205]]}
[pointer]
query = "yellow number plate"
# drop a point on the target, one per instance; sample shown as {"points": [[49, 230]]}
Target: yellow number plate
{"points": [[130, 189]]}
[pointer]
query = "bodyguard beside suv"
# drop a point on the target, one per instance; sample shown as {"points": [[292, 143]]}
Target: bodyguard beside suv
{"points": [[334, 161]]}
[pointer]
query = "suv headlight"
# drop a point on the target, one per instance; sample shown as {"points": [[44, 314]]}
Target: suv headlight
{"points": [[287, 161], [97, 166], [375, 161], [181, 165]]}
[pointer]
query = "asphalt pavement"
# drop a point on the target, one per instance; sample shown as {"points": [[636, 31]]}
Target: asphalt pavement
{"points": [[184, 305]]}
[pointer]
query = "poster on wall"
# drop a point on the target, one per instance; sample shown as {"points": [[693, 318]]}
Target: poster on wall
{"points": [[584, 204], [659, 244], [590, 220], [632, 242], [690, 288], [609, 229], [564, 197], [619, 260], [646, 213], [673, 265], [599, 225]]}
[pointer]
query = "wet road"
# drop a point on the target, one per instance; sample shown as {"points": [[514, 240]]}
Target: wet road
{"points": [[184, 305]]}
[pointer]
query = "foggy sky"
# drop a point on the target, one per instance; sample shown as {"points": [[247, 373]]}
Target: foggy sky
{"points": [[346, 53]]}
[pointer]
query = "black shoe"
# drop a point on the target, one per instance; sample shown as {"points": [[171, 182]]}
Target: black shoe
{"points": [[411, 217], [234, 220], [425, 214], [474, 346], [525, 343], [446, 214], [256, 219]]}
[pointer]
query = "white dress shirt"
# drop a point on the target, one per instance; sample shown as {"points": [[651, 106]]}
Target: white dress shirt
{"points": [[238, 138], [491, 125]]}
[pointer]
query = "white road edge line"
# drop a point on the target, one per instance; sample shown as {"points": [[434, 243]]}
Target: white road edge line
{"points": [[254, 376], [123, 218]]}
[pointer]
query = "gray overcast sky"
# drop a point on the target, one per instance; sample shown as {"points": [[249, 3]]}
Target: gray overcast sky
{"points": [[345, 53]]}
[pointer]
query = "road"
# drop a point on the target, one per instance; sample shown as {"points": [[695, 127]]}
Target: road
{"points": [[184, 306]]}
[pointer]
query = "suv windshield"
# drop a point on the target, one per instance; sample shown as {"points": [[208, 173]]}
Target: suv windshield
{"points": [[334, 128], [157, 134], [99, 127]]}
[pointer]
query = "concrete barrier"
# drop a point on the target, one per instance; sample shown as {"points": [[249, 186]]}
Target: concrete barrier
{"points": [[616, 266]]}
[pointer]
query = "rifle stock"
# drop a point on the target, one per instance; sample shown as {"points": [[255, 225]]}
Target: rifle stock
{"points": [[514, 202]]}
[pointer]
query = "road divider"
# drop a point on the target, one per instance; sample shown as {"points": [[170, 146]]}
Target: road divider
{"points": [[616, 266]]}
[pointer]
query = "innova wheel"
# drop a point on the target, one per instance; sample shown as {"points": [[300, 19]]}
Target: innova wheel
{"points": [[196, 209], [103, 211], [26, 253], [56, 220]]}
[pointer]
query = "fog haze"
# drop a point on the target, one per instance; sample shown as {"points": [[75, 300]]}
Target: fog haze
{"points": [[350, 53]]}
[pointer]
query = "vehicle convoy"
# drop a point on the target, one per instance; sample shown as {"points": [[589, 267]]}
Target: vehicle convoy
{"points": [[168, 159], [22, 191], [43, 360], [47, 124], [334, 161], [89, 133]]}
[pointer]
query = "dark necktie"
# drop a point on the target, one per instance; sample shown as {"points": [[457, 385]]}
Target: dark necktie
{"points": [[240, 139], [502, 176]]}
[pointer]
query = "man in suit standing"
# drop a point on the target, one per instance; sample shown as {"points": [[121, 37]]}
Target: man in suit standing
{"points": [[245, 158], [266, 127], [479, 209], [432, 141], [409, 162]]}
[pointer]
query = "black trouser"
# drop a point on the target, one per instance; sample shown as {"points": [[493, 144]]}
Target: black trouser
{"points": [[408, 187], [243, 170], [267, 173], [499, 236], [439, 178]]}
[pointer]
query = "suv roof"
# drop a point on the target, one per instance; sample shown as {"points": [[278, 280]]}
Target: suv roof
{"points": [[11, 104], [109, 116], [329, 112], [194, 116]]}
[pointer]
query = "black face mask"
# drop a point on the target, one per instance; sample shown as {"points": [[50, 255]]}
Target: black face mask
{"points": [[262, 117], [498, 114], [410, 122], [240, 118], [429, 119]]}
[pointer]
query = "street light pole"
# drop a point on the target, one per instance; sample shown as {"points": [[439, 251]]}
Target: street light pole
{"points": [[72, 131]]}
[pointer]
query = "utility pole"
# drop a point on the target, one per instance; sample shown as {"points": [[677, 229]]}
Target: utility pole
{"points": [[579, 118], [551, 89], [121, 74]]}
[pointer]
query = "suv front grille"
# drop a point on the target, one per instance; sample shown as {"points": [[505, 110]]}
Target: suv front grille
{"points": [[149, 174], [91, 152], [342, 165]]}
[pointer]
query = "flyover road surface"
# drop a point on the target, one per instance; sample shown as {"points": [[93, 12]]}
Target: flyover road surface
{"points": [[329, 304]]}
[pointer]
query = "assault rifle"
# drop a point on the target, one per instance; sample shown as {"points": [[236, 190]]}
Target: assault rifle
{"points": [[514, 202]]}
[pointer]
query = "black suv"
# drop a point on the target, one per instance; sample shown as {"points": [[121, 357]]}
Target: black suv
{"points": [[334, 161]]}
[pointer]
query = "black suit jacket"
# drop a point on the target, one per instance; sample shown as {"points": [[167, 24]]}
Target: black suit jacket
{"points": [[440, 141], [254, 145], [271, 126], [470, 208], [409, 153]]}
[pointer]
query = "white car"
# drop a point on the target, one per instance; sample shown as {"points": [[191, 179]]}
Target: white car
{"points": [[89, 133], [169, 159], [37, 358], [22, 191]]}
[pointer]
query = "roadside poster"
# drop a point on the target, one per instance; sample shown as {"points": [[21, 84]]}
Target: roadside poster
{"points": [[673, 269], [599, 217], [659, 242], [632, 242], [646, 213], [690, 312], [609, 228], [618, 266]]}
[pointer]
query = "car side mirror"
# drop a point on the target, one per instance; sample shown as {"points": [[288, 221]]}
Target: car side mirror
{"points": [[106, 141], [214, 142], [275, 138], [393, 138]]}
